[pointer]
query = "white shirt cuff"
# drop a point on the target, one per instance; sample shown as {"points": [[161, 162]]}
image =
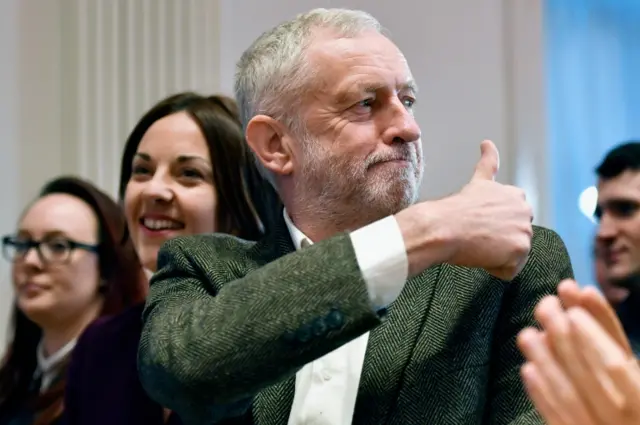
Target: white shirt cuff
{"points": [[382, 258]]}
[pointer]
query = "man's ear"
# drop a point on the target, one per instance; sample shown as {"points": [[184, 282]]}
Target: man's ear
{"points": [[267, 138]]}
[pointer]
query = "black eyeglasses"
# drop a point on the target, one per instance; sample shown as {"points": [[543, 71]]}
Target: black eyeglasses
{"points": [[54, 250]]}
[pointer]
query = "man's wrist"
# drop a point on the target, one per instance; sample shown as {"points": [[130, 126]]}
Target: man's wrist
{"points": [[429, 233]]}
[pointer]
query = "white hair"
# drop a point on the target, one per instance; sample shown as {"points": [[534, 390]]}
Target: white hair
{"points": [[272, 74]]}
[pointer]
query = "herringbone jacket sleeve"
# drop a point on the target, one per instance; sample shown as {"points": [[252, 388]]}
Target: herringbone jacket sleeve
{"points": [[219, 326], [547, 266]]}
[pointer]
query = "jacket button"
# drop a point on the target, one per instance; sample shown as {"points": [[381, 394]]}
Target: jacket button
{"points": [[335, 319], [319, 327], [304, 333]]}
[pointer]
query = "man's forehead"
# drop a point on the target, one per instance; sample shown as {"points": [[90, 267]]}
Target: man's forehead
{"points": [[623, 186], [366, 63]]}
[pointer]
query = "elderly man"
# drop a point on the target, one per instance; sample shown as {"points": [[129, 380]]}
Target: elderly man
{"points": [[362, 306]]}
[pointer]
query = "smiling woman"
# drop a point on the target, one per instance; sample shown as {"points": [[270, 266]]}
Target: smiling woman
{"points": [[186, 170], [171, 190]]}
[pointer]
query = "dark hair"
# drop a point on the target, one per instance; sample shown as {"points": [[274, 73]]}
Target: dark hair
{"points": [[622, 158], [124, 285], [248, 204]]}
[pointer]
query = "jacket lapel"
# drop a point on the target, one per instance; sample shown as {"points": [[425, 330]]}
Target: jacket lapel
{"points": [[390, 347]]}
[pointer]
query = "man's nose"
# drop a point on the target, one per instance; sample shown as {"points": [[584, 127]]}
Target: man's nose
{"points": [[402, 124], [607, 229]]}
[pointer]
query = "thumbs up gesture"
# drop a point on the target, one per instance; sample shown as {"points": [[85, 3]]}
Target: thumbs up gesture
{"points": [[489, 163], [492, 221]]}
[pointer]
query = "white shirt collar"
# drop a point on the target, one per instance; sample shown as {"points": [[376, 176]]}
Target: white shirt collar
{"points": [[48, 366], [297, 236]]}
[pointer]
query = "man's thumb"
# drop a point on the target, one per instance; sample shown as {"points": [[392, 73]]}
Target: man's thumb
{"points": [[487, 166]]}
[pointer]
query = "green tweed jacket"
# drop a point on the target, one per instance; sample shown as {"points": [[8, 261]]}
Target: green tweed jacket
{"points": [[228, 323]]}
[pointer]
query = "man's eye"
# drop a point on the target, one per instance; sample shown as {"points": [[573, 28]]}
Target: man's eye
{"points": [[409, 102], [367, 103]]}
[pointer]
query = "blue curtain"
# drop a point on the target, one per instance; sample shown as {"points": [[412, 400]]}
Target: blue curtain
{"points": [[593, 91]]}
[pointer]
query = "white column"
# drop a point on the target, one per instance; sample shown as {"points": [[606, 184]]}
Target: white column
{"points": [[120, 57]]}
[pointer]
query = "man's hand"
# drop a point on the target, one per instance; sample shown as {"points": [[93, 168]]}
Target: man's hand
{"points": [[486, 225], [580, 369]]}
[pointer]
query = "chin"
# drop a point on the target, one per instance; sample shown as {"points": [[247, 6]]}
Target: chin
{"points": [[624, 277], [621, 271], [148, 256], [36, 311], [397, 198]]}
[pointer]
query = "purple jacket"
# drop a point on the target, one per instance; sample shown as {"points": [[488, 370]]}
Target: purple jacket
{"points": [[103, 386]]}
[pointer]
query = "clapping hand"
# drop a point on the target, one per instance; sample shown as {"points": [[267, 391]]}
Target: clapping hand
{"points": [[579, 369]]}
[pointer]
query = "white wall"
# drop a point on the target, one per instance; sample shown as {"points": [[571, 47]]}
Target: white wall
{"points": [[76, 75]]}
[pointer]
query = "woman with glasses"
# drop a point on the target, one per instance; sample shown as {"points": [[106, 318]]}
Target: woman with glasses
{"points": [[71, 263], [185, 170]]}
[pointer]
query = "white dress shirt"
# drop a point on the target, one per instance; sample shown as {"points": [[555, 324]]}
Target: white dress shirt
{"points": [[326, 389]]}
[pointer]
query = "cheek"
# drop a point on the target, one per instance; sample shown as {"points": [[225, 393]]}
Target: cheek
{"points": [[81, 279], [16, 274], [200, 213], [419, 150], [358, 142]]}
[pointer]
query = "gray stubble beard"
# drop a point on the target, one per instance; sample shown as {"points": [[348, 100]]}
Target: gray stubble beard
{"points": [[351, 200]]}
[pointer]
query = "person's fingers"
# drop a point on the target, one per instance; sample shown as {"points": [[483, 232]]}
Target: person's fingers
{"points": [[555, 321], [599, 353], [539, 392], [489, 163], [627, 378], [569, 293], [558, 390], [596, 305]]}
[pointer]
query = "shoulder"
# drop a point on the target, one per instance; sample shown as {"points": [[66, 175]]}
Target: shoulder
{"points": [[548, 243], [547, 266], [548, 263], [210, 254], [548, 254], [196, 246], [110, 332]]}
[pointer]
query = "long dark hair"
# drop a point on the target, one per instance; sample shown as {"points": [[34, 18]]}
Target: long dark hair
{"points": [[124, 285], [248, 204]]}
